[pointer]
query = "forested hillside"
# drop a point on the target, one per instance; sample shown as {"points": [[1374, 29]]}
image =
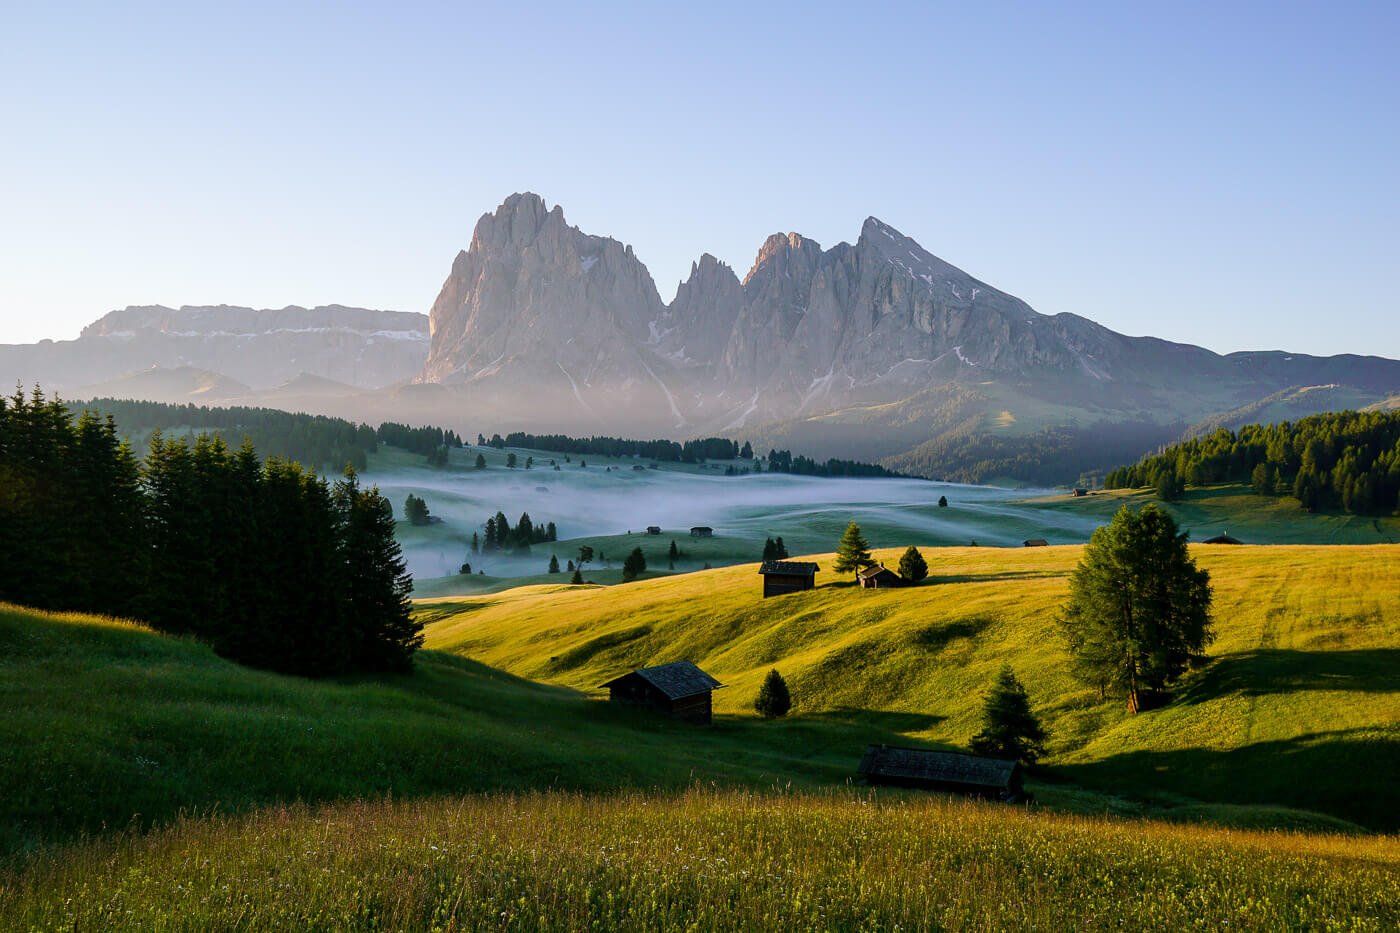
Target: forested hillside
{"points": [[1345, 460], [271, 564]]}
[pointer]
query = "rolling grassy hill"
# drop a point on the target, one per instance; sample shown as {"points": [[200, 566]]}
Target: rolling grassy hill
{"points": [[1299, 708]]}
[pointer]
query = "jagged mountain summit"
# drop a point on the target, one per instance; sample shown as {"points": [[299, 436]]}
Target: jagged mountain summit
{"points": [[150, 351], [875, 347]]}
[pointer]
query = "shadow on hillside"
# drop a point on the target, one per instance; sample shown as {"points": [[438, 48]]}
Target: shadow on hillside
{"points": [[992, 577], [1278, 670], [883, 723], [937, 637], [1347, 774]]}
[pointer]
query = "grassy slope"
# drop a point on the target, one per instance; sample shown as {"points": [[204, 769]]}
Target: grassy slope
{"points": [[703, 861], [1209, 510], [102, 722], [1300, 707]]}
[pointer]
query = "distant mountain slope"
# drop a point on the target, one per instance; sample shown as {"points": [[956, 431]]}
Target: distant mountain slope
{"points": [[258, 349], [874, 348]]}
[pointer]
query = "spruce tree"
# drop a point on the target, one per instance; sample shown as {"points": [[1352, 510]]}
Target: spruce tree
{"points": [[1139, 607], [1009, 728], [773, 699], [381, 627], [768, 550], [577, 578], [481, 461], [553, 563], [853, 551], [634, 564], [942, 502], [912, 566], [780, 551]]}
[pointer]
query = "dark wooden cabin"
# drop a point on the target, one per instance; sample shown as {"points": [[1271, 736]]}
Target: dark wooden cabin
{"points": [[879, 577], [702, 531], [787, 576], [1080, 493], [1222, 538], [1036, 542], [653, 529], [679, 689], [996, 778]]}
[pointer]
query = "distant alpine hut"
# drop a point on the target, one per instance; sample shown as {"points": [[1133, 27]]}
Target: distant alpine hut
{"points": [[702, 531], [679, 689], [1036, 542], [995, 778], [879, 577], [1080, 493], [639, 467], [653, 529], [787, 576], [1222, 538]]}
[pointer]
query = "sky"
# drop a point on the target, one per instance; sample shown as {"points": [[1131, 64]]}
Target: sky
{"points": [[1219, 174]]}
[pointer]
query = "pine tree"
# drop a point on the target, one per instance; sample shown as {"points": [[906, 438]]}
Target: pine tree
{"points": [[1139, 607], [553, 563], [577, 578], [481, 461], [633, 565], [853, 552], [510, 460], [768, 548], [773, 699], [380, 623], [1009, 728], [780, 551], [942, 502], [912, 566]]}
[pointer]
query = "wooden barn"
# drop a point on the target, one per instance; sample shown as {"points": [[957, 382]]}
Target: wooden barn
{"points": [[702, 531], [1036, 542], [787, 576], [1222, 538], [996, 778], [878, 577], [679, 689]]}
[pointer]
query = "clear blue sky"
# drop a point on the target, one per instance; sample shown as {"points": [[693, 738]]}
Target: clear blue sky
{"points": [[1224, 174]]}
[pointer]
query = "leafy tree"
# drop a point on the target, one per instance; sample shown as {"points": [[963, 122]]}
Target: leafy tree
{"points": [[912, 566], [1262, 479], [773, 698], [585, 555], [1167, 486], [1139, 607], [1009, 728], [481, 461], [853, 551], [553, 563], [633, 565]]}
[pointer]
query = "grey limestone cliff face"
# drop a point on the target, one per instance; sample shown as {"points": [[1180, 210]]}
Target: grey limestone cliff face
{"points": [[536, 310], [535, 298]]}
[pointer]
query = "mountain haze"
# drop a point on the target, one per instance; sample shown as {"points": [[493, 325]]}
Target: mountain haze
{"points": [[875, 347]]}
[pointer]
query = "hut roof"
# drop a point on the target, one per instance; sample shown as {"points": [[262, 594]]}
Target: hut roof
{"points": [[1036, 542], [677, 680], [921, 764], [795, 568], [1223, 538], [876, 570]]}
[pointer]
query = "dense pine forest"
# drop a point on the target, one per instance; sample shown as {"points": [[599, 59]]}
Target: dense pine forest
{"points": [[692, 451], [271, 564], [1345, 460], [317, 441]]}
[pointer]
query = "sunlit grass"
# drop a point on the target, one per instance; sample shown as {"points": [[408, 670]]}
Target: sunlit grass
{"points": [[703, 860]]}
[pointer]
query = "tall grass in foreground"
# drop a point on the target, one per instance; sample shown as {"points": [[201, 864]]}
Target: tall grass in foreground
{"points": [[702, 860]]}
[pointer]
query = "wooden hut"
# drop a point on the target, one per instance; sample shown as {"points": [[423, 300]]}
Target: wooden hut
{"points": [[653, 529], [787, 576], [878, 577], [702, 531], [1222, 538], [1080, 493], [1036, 542], [996, 778], [679, 689]]}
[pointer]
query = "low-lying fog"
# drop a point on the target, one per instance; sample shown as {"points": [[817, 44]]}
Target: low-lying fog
{"points": [[808, 512]]}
